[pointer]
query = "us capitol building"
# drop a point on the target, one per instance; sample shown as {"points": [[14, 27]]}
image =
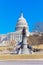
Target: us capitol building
{"points": [[17, 36], [7, 40]]}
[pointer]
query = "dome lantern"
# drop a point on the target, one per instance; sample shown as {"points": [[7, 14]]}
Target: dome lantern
{"points": [[21, 15]]}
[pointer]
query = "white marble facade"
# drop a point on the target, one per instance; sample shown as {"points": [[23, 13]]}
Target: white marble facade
{"points": [[17, 35]]}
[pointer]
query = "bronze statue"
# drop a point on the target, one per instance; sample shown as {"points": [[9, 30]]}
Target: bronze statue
{"points": [[24, 32]]}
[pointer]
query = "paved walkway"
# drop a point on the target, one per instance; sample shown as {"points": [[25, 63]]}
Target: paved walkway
{"points": [[22, 62]]}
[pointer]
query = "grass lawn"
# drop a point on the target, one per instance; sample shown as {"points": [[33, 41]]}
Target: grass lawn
{"points": [[16, 57]]}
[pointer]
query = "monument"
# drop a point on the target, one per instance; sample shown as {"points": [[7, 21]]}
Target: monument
{"points": [[24, 46]]}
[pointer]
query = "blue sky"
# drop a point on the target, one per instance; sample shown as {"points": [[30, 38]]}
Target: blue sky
{"points": [[10, 12]]}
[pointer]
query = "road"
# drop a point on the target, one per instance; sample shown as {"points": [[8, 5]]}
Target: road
{"points": [[22, 62]]}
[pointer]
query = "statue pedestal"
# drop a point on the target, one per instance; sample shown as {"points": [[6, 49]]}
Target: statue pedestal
{"points": [[25, 50]]}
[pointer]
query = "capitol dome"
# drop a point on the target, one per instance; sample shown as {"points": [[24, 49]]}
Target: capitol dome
{"points": [[21, 23]]}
